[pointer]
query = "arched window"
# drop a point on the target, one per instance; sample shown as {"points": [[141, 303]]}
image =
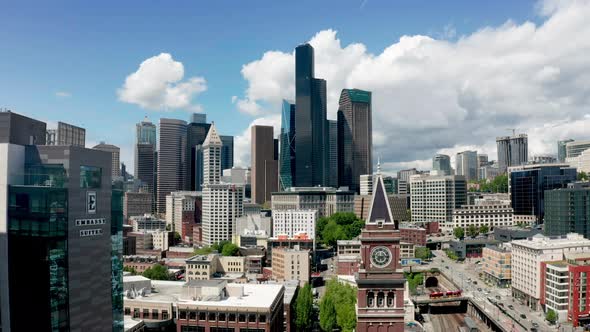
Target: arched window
{"points": [[370, 299], [390, 299], [380, 299]]}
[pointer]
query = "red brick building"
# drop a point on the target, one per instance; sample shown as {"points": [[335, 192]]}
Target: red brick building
{"points": [[415, 235]]}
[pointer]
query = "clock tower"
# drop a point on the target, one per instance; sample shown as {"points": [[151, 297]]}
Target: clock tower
{"points": [[380, 279]]}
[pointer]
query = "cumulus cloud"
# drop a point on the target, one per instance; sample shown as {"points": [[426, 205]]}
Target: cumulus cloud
{"points": [[436, 95], [63, 94], [158, 85]]}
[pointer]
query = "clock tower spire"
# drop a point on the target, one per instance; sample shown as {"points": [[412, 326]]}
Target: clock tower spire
{"points": [[380, 279]]}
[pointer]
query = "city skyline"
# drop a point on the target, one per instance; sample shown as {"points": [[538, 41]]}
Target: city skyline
{"points": [[118, 106]]}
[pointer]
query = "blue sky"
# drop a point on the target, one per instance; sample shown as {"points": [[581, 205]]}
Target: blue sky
{"points": [[87, 49]]}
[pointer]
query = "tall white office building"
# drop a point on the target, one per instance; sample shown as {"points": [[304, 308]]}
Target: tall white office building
{"points": [[292, 223], [433, 198], [222, 202]]}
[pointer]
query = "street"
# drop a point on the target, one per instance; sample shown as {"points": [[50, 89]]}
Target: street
{"points": [[463, 274]]}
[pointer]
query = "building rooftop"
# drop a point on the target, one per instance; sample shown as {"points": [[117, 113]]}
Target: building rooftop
{"points": [[539, 241], [252, 295], [181, 249], [348, 242], [134, 278], [201, 258]]}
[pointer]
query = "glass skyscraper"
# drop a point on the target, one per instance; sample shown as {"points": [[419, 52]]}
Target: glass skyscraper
{"points": [[311, 143], [145, 132], [287, 146], [561, 149], [466, 165], [442, 164], [227, 152], [568, 211]]}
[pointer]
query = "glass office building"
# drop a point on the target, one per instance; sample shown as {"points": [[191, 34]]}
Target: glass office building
{"points": [[527, 186], [287, 146], [568, 211]]}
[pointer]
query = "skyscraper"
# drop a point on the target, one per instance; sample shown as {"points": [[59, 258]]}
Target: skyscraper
{"points": [[196, 133], [222, 202], [512, 151], [145, 132], [115, 157], [227, 152], [441, 163], [482, 160], [333, 153], [171, 159], [403, 180], [59, 214], [466, 165], [561, 149], [264, 172], [311, 143], [355, 143], [287, 146]]}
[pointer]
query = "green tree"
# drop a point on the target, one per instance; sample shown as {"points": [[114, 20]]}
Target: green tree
{"points": [[219, 246], [203, 251], [459, 232], [130, 269], [353, 230], [551, 316], [177, 238], [230, 249], [303, 309], [414, 280], [168, 227], [582, 176], [451, 254], [327, 314], [472, 231], [344, 297], [422, 253], [483, 229], [339, 226], [332, 233], [157, 272]]}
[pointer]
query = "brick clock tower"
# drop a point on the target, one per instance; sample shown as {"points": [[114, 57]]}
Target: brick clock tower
{"points": [[380, 280]]}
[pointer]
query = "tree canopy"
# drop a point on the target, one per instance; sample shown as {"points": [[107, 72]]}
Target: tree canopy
{"points": [[551, 316], [157, 272], [230, 249], [304, 309], [422, 253], [498, 185], [459, 232], [582, 176], [414, 280], [225, 248], [339, 226], [342, 298], [483, 229], [472, 231]]}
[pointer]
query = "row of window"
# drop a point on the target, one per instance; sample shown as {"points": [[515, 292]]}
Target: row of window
{"points": [[88, 222], [220, 316], [190, 328]]}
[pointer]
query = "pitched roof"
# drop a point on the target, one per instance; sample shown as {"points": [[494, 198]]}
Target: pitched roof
{"points": [[380, 209], [212, 137]]}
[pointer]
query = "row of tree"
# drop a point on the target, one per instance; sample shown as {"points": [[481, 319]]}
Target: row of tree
{"points": [[156, 272], [339, 226], [225, 248], [472, 231], [498, 185], [337, 307]]}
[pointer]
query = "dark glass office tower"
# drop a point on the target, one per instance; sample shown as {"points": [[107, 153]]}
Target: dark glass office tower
{"points": [[568, 210], [287, 147], [196, 134], [227, 152], [310, 121], [528, 186], [172, 159], [355, 137]]}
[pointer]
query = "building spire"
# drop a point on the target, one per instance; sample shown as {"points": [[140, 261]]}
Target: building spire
{"points": [[378, 165]]}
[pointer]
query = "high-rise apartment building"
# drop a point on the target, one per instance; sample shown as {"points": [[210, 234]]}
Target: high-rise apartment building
{"points": [[292, 223], [355, 142], [441, 164], [287, 146], [222, 202], [311, 142], [466, 165], [561, 149], [433, 198], [512, 151], [528, 184], [575, 148], [115, 157], [197, 131], [171, 159], [227, 152], [61, 222], [568, 210], [332, 153], [527, 256], [264, 172]]}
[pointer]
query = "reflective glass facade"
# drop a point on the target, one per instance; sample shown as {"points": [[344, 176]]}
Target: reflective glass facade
{"points": [[38, 258], [117, 259], [567, 211], [287, 144], [90, 177], [528, 186]]}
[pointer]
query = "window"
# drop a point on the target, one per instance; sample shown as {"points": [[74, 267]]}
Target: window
{"points": [[370, 299], [212, 317], [262, 318], [164, 314], [202, 315], [146, 313], [90, 177], [221, 317], [380, 299], [241, 318], [192, 315], [127, 311], [252, 318], [232, 317], [135, 312], [182, 314]]}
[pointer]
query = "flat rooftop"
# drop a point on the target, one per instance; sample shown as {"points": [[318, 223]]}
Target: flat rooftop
{"points": [[259, 296], [539, 242]]}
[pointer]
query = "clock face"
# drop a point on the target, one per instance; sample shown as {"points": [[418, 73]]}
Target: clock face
{"points": [[380, 256]]}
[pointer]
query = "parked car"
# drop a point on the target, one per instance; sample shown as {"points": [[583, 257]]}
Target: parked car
{"points": [[511, 307], [523, 316]]}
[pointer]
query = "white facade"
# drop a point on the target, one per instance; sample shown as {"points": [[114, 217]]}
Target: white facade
{"points": [[527, 256], [433, 198], [148, 223], [294, 222], [222, 205], [581, 162], [160, 240], [177, 203], [490, 213], [366, 182], [236, 175], [557, 288]]}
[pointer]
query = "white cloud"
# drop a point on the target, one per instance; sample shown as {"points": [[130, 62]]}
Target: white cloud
{"points": [[158, 85], [432, 95], [63, 94]]}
